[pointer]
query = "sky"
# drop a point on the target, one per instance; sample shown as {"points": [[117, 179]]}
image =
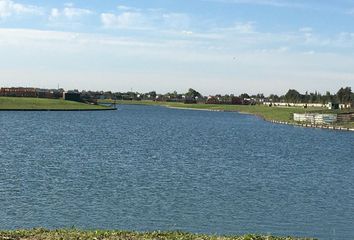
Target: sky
{"points": [[213, 46]]}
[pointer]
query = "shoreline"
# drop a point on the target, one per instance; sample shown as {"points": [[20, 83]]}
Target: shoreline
{"points": [[309, 125], [304, 125], [73, 233], [195, 109], [20, 104], [56, 110]]}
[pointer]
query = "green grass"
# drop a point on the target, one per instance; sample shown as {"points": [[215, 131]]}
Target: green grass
{"points": [[42, 103], [74, 234]]}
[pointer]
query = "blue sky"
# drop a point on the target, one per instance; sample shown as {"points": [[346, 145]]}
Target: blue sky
{"points": [[214, 46]]}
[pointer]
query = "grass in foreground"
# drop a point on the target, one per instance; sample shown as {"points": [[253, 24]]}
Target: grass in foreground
{"points": [[73, 234], [42, 103]]}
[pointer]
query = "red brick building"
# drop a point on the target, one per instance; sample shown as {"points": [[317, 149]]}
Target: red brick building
{"points": [[31, 92], [18, 92]]}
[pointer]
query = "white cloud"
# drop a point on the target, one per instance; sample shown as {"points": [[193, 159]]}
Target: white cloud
{"points": [[272, 3], [176, 20], [55, 13], [157, 59], [31, 37], [193, 35], [151, 18], [344, 40], [305, 29], [243, 37], [238, 28], [187, 32], [127, 8], [10, 8], [76, 12], [69, 12], [273, 51], [123, 20], [310, 52], [124, 8], [247, 27], [69, 4]]}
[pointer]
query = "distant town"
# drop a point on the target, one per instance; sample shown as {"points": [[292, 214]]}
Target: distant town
{"points": [[344, 98]]}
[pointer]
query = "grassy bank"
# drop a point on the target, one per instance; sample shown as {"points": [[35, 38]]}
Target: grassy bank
{"points": [[16, 103], [73, 234], [282, 114]]}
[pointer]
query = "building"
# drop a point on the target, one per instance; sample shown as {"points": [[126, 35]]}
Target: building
{"points": [[332, 105], [230, 100], [212, 100], [190, 100], [303, 105], [72, 96], [31, 92], [18, 92], [236, 101]]}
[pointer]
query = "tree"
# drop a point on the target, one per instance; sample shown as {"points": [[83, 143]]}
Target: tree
{"points": [[292, 96], [193, 93], [305, 98], [244, 95], [344, 95], [260, 96], [274, 98], [328, 97], [313, 97]]}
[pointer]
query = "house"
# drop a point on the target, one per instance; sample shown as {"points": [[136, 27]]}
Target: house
{"points": [[44, 93], [72, 96], [190, 100], [332, 105], [18, 92], [236, 101], [229, 100], [31, 92], [212, 100]]}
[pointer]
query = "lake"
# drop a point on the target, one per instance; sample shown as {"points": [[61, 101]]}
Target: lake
{"points": [[153, 168]]}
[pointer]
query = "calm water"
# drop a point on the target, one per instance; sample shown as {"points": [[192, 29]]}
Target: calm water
{"points": [[147, 168]]}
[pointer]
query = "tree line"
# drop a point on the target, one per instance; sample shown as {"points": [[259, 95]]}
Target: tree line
{"points": [[344, 95]]}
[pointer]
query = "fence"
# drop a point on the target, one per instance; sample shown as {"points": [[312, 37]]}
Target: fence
{"points": [[345, 117], [315, 118]]}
